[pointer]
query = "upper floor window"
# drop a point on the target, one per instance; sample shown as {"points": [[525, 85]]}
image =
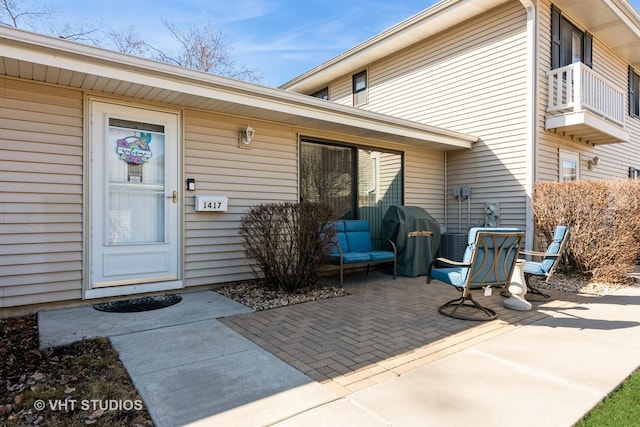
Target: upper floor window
{"points": [[322, 94], [569, 44], [634, 93], [360, 88]]}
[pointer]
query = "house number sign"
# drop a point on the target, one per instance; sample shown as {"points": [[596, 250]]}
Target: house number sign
{"points": [[211, 203]]}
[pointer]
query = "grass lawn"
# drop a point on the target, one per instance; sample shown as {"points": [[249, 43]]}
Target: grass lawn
{"points": [[620, 409]]}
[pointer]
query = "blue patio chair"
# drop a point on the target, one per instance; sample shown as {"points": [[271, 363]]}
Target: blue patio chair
{"points": [[488, 262], [547, 265]]}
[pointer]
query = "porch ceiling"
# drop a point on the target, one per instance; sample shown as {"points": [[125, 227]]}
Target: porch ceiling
{"points": [[45, 59], [615, 22]]}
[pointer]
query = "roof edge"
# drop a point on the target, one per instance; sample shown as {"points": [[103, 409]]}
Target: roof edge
{"points": [[42, 49], [398, 35]]}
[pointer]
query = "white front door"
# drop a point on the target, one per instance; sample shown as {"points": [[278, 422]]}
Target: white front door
{"points": [[134, 200]]}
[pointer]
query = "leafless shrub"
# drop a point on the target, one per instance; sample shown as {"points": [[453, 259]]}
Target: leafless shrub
{"points": [[604, 217], [287, 241]]}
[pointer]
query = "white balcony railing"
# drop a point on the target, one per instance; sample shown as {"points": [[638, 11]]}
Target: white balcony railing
{"points": [[576, 87]]}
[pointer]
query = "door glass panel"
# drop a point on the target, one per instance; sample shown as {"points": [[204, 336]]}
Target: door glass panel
{"points": [[326, 177], [330, 174], [135, 209], [379, 187], [576, 47]]}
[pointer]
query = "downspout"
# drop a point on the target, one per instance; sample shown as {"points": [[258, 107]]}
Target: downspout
{"points": [[446, 191], [532, 116]]}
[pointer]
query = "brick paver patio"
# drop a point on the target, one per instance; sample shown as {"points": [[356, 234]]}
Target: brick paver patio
{"points": [[383, 328]]}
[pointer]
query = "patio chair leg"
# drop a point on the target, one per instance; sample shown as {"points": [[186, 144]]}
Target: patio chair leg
{"points": [[537, 294], [486, 311], [450, 309]]}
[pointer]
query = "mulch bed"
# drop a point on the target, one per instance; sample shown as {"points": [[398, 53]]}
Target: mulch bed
{"points": [[76, 385]]}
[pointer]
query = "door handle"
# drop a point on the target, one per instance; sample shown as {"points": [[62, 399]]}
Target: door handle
{"points": [[174, 197]]}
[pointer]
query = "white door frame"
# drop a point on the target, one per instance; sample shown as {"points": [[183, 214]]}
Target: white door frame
{"points": [[96, 152]]}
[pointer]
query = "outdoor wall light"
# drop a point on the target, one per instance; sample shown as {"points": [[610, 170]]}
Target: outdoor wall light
{"points": [[592, 163], [246, 136]]}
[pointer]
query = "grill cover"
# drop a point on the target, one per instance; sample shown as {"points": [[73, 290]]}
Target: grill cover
{"points": [[416, 235]]}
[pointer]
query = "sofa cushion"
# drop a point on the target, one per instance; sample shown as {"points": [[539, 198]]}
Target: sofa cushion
{"points": [[358, 235], [340, 238], [381, 255], [353, 257]]}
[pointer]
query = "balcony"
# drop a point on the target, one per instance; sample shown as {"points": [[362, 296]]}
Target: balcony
{"points": [[585, 106]]}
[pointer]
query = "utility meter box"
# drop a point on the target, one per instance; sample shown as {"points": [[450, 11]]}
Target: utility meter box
{"points": [[211, 203]]}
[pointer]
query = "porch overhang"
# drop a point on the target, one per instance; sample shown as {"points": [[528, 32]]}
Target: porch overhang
{"points": [[34, 57], [586, 127]]}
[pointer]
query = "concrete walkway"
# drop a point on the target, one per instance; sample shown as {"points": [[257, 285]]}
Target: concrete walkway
{"points": [[380, 356]]}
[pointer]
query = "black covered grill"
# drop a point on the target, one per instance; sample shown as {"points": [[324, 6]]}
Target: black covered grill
{"points": [[416, 235]]}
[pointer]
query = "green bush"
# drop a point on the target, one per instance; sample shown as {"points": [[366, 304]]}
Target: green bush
{"points": [[288, 241], [604, 217]]}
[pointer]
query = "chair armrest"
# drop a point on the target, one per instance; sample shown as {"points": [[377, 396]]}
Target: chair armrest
{"points": [[446, 261], [451, 262], [337, 245], [393, 246], [536, 253]]}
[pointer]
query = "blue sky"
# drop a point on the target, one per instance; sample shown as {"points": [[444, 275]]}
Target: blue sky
{"points": [[280, 38]]}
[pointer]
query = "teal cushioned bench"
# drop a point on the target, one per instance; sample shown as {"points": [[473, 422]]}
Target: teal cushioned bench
{"points": [[353, 246]]}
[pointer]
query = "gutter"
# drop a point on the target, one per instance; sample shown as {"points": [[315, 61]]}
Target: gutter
{"points": [[532, 120], [64, 54]]}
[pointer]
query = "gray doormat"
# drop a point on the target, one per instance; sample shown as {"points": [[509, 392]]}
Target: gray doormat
{"points": [[139, 304]]}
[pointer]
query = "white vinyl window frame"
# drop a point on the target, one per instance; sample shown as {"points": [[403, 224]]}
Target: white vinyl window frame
{"points": [[568, 165]]}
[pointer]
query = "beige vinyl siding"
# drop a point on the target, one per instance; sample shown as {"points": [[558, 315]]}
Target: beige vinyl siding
{"points": [[615, 159], [41, 210], [265, 173], [424, 181], [472, 79], [341, 91], [268, 172]]}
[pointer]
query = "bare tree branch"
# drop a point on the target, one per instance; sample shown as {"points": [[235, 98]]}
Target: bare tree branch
{"points": [[12, 15], [200, 47], [206, 49]]}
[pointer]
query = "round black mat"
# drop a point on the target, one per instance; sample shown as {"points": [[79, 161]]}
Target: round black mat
{"points": [[139, 304]]}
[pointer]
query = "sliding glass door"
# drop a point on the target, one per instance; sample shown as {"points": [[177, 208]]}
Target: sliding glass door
{"points": [[359, 182]]}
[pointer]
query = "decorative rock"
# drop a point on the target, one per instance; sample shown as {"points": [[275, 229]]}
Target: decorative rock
{"points": [[253, 295]]}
